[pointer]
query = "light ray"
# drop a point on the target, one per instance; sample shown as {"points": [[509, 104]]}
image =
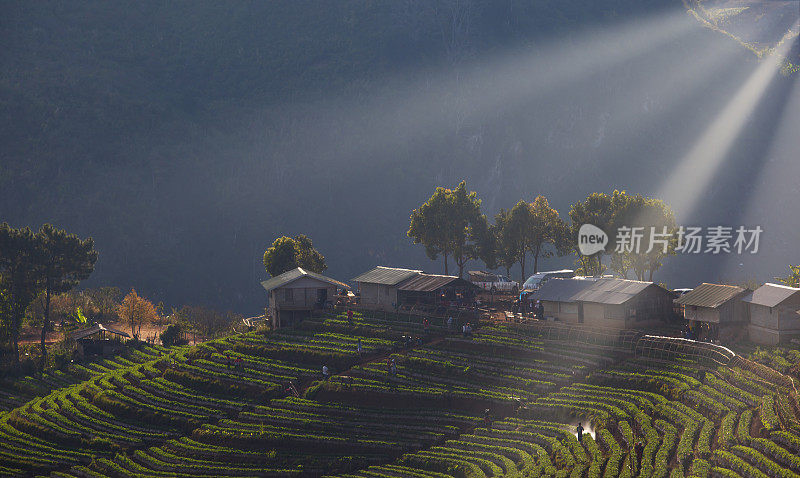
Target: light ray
{"points": [[696, 170]]}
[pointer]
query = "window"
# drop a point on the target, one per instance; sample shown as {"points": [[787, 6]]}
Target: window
{"points": [[287, 295]]}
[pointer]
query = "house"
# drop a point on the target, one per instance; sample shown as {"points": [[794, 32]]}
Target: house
{"points": [[99, 339], [604, 302], [717, 309], [774, 314], [621, 304], [294, 294], [557, 297], [378, 286], [434, 289]]}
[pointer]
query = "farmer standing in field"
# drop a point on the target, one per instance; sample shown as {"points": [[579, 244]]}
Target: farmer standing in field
{"points": [[579, 430], [325, 372], [359, 348], [639, 451], [350, 316]]}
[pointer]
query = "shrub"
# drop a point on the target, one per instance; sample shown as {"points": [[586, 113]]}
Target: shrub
{"points": [[173, 335]]}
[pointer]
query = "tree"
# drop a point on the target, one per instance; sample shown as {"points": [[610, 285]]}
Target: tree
{"points": [[793, 279], [63, 261], [505, 252], [19, 278], [307, 257], [532, 227], [105, 300], [205, 321], [596, 209], [137, 311], [546, 230], [655, 221], [450, 223], [286, 253]]}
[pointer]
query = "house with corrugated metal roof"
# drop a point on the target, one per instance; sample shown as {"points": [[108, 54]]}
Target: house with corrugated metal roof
{"points": [[774, 314], [623, 304], [717, 307], [378, 286], [605, 302], [558, 298], [98, 339], [295, 294]]}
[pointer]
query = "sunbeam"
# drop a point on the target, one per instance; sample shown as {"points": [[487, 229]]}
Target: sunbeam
{"points": [[684, 188]]}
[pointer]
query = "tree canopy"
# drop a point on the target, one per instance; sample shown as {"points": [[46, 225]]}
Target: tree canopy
{"points": [[450, 223], [793, 279], [64, 260], [534, 228], [286, 253], [137, 311]]}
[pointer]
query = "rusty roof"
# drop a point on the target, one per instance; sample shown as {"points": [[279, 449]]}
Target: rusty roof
{"points": [[95, 329], [561, 290], [709, 295], [386, 275], [296, 273], [431, 282], [613, 291]]}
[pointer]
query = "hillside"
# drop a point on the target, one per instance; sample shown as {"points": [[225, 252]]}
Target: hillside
{"points": [[222, 408], [185, 136]]}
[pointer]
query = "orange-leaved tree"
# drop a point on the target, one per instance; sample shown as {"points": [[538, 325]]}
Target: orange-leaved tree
{"points": [[136, 311]]}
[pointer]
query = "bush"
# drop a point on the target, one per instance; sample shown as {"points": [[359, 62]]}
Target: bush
{"points": [[173, 335]]}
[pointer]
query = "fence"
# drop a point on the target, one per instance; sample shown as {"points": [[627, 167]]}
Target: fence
{"points": [[668, 348]]}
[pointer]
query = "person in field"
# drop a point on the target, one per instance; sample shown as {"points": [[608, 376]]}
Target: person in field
{"points": [[325, 372], [359, 348], [579, 431], [350, 316]]}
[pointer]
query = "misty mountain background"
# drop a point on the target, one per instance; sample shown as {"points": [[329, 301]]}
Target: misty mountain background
{"points": [[186, 136]]}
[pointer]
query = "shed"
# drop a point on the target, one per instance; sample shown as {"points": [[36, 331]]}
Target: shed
{"points": [[774, 314], [622, 303], [716, 307], [294, 294], [378, 286], [605, 302], [436, 289], [558, 298], [99, 339]]}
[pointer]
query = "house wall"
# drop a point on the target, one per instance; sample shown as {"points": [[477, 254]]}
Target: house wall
{"points": [[302, 297], [564, 311], [774, 325], [733, 311], [702, 314], [764, 317], [378, 296], [603, 316]]}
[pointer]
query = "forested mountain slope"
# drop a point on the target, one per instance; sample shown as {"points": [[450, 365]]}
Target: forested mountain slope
{"points": [[185, 136]]}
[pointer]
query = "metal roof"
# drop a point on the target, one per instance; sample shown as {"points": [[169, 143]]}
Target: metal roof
{"points": [[770, 295], [709, 295], [386, 275], [296, 273], [613, 291], [482, 276], [431, 282], [95, 329], [561, 290]]}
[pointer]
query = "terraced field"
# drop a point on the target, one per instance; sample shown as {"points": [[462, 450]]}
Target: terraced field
{"points": [[225, 408]]}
